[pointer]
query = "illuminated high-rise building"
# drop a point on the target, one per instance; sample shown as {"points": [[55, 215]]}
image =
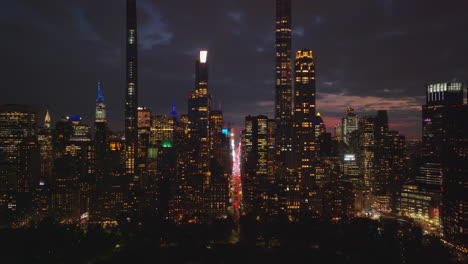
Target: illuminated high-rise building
{"points": [[338, 132], [79, 155], [445, 157], [44, 138], [381, 152], [436, 113], [283, 90], [17, 123], [131, 89], [73, 179], [143, 146], [352, 173], [307, 129], [216, 135], [350, 124], [446, 93], [100, 151], [144, 125], [41, 187], [100, 135], [381, 158], [304, 85], [199, 107], [220, 166], [255, 165], [162, 127]]}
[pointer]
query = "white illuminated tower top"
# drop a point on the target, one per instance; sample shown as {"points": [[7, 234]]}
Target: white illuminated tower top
{"points": [[203, 56]]}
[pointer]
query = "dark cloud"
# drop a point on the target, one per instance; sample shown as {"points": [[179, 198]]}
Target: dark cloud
{"points": [[370, 53]]}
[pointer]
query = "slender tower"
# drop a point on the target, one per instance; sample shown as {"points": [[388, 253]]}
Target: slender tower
{"points": [[199, 106], [283, 90], [131, 90], [100, 135], [199, 115]]}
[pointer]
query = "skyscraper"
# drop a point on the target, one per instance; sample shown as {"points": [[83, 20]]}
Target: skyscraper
{"points": [[17, 124], [304, 85], [199, 115], [199, 108], [444, 93], [45, 141], [445, 156], [436, 114], [350, 124], [380, 155], [131, 90], [100, 135], [255, 165], [143, 146], [306, 131], [283, 90]]}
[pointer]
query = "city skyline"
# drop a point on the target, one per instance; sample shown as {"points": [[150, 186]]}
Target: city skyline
{"points": [[166, 59], [227, 165]]}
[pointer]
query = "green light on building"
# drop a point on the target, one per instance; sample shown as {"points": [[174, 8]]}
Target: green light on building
{"points": [[166, 143]]}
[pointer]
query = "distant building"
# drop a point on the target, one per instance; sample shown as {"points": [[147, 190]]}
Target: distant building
{"points": [[131, 90], [255, 165], [419, 203], [381, 156], [349, 124], [100, 133], [339, 132], [17, 124], [100, 106]]}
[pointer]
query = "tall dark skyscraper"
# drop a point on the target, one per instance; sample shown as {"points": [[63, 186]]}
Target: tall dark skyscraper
{"points": [[283, 91], [199, 114], [131, 90], [100, 135], [445, 156], [436, 115], [199, 108]]}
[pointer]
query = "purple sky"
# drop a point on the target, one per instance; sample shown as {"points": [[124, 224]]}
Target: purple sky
{"points": [[369, 54]]}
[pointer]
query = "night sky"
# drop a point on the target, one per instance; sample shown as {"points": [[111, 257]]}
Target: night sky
{"points": [[369, 54]]}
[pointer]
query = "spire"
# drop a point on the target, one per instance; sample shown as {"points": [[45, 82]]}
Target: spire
{"points": [[174, 111], [100, 106], [47, 120], [100, 97]]}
